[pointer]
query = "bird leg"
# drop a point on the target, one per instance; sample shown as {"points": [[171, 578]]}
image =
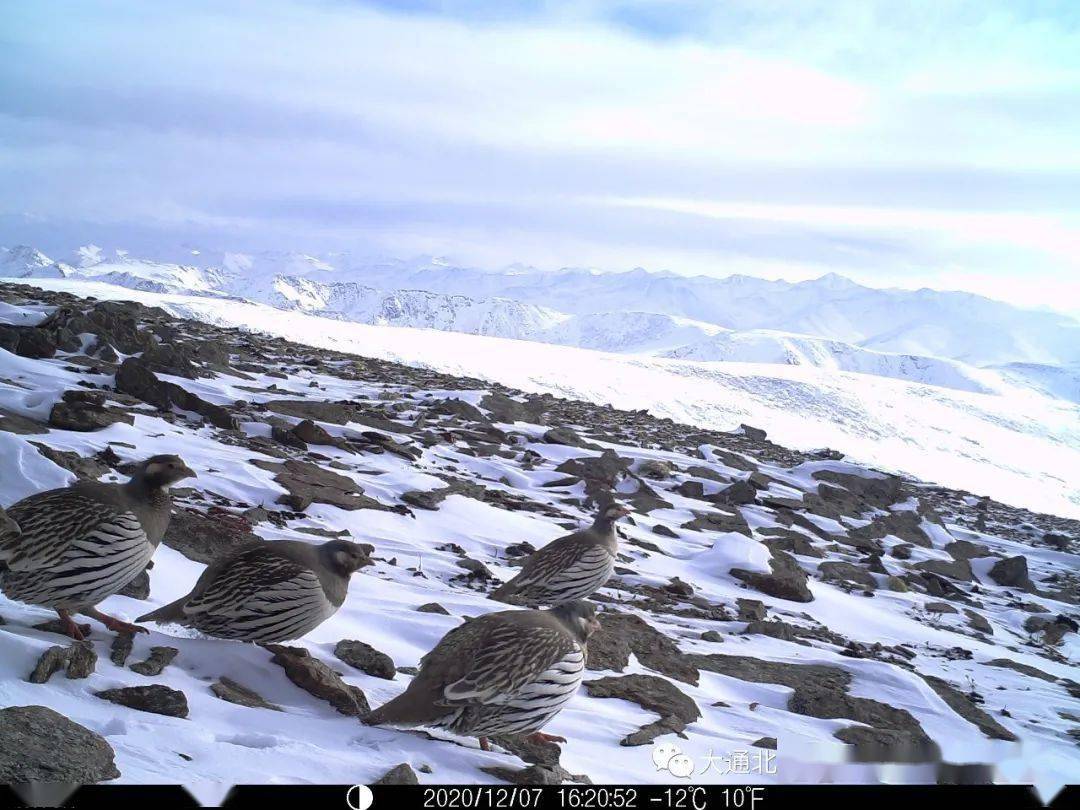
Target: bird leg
{"points": [[541, 737], [485, 745], [69, 625], [114, 624]]}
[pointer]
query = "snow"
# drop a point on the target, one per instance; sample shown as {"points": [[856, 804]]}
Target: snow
{"points": [[977, 439], [1015, 445]]}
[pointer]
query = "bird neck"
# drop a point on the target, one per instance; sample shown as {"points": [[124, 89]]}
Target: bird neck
{"points": [[152, 493], [604, 525]]}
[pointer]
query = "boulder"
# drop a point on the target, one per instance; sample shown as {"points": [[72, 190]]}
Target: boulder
{"points": [[366, 659], [39, 745], [1012, 572], [787, 580], [316, 678], [155, 699], [204, 537]]}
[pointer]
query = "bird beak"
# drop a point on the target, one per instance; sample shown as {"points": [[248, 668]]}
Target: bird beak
{"points": [[189, 473], [624, 511]]}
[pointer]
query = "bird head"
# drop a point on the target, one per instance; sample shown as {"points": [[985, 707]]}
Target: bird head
{"points": [[344, 557], [579, 618], [161, 472], [611, 512]]}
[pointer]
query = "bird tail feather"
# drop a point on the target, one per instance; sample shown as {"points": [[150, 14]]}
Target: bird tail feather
{"points": [[404, 711], [172, 612]]}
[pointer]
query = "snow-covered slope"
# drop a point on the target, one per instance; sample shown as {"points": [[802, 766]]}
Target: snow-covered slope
{"points": [[765, 346], [957, 662], [1015, 445]]}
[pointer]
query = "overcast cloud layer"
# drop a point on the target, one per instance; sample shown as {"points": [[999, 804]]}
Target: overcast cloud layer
{"points": [[901, 144]]}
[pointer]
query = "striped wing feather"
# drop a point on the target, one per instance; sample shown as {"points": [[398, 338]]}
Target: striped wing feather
{"points": [[548, 562], [491, 662], [258, 593], [54, 524]]}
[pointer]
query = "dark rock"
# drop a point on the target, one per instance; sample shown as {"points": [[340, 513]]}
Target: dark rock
{"points": [[774, 629], [752, 433], [679, 588], [160, 657], [138, 588], [86, 416], [531, 751], [751, 610], [566, 436], [621, 634], [366, 658], [205, 537], [940, 607], [878, 490], [156, 699], [476, 569], [650, 692], [229, 690], [787, 580], [886, 745], [433, 607], [51, 661], [20, 425], [310, 433], [316, 678], [136, 379], [401, 774], [953, 569], [741, 492], [606, 469], [656, 469], [846, 572], [963, 706], [39, 745], [978, 622], [964, 550], [84, 468], [122, 645], [905, 525], [713, 636], [664, 531], [308, 483], [83, 660], [765, 742], [1011, 572]]}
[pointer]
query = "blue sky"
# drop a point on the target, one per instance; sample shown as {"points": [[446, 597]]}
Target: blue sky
{"points": [[900, 143]]}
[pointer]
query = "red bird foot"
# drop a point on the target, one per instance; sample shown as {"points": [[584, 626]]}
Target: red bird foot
{"points": [[485, 744], [114, 624], [541, 737], [70, 628]]}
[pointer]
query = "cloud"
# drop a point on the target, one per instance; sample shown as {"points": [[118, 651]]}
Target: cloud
{"points": [[893, 142]]}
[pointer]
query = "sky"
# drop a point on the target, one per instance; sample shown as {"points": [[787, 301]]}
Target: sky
{"points": [[901, 143]]}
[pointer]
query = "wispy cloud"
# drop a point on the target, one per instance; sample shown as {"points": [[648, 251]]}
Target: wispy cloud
{"points": [[899, 143]]}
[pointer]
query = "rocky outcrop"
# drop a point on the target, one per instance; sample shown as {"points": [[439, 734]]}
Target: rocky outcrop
{"points": [[308, 483], [136, 379], [787, 580], [654, 694], [204, 537]]}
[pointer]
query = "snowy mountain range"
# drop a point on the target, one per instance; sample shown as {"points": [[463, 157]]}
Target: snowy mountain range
{"points": [[949, 339]]}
